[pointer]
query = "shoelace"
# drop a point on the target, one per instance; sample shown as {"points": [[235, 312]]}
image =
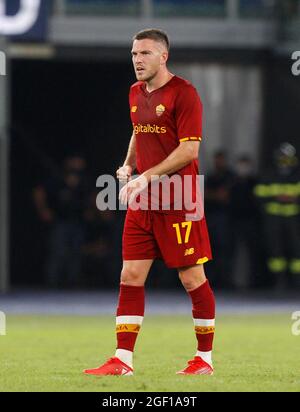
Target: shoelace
{"points": [[194, 364], [113, 360], [110, 360]]}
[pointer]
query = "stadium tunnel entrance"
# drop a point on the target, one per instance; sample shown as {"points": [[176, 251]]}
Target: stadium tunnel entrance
{"points": [[58, 109]]}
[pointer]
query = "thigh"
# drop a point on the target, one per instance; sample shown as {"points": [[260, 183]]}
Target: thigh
{"points": [[138, 238], [181, 243]]}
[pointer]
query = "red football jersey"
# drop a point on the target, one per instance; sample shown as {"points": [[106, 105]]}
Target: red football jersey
{"points": [[162, 119]]}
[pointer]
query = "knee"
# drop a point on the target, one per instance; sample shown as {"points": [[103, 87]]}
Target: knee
{"points": [[188, 284], [131, 276], [191, 282]]}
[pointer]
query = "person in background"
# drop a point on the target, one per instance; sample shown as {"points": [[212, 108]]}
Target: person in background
{"points": [[61, 203], [217, 199], [244, 220], [279, 197], [102, 250]]}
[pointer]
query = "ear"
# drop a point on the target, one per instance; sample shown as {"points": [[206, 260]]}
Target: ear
{"points": [[164, 57]]}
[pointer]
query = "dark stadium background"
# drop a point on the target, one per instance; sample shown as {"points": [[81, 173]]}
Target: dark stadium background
{"points": [[68, 109], [64, 91], [68, 82], [65, 106]]}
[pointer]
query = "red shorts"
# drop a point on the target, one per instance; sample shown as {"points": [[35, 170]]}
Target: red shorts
{"points": [[151, 235]]}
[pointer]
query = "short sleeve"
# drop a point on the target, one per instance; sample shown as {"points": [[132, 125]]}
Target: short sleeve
{"points": [[188, 114], [130, 100]]}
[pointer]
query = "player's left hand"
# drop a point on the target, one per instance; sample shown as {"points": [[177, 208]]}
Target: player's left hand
{"points": [[130, 191]]}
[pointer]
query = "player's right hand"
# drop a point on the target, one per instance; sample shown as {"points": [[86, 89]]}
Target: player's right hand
{"points": [[124, 173]]}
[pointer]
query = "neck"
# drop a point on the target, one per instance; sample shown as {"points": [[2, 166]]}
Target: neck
{"points": [[159, 80]]}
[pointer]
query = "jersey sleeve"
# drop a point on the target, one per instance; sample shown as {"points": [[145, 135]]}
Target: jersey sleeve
{"points": [[130, 99], [188, 114]]}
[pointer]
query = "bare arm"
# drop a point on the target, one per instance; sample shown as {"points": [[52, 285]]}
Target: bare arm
{"points": [[180, 157], [124, 173], [131, 154], [41, 204]]}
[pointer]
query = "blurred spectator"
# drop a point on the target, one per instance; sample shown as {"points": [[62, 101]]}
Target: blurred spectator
{"points": [[102, 252], [217, 199], [245, 224], [279, 196], [61, 202]]}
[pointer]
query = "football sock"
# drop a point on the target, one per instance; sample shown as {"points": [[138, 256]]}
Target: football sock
{"points": [[206, 356], [204, 319], [130, 314], [125, 356]]}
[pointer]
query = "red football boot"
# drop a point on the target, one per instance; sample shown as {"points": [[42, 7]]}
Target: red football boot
{"points": [[114, 366], [197, 366]]}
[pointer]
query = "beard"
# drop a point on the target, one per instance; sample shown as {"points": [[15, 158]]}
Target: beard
{"points": [[147, 77]]}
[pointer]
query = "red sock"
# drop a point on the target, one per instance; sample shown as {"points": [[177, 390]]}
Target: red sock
{"points": [[204, 316], [130, 313]]}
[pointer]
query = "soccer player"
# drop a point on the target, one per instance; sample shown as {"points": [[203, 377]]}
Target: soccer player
{"points": [[166, 114]]}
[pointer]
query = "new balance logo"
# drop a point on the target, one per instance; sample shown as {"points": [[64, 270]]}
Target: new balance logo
{"points": [[189, 251]]}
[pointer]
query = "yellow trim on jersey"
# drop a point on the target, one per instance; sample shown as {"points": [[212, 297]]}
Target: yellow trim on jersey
{"points": [[202, 260], [134, 328], [185, 139]]}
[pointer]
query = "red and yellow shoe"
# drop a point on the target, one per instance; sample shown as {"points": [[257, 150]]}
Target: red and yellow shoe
{"points": [[114, 366], [197, 366]]}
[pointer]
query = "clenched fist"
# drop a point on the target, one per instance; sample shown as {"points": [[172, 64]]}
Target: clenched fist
{"points": [[124, 173]]}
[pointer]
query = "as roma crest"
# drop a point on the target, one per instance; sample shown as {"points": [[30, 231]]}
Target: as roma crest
{"points": [[160, 110]]}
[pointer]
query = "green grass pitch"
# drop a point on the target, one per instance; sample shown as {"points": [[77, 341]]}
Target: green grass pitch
{"points": [[48, 353]]}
